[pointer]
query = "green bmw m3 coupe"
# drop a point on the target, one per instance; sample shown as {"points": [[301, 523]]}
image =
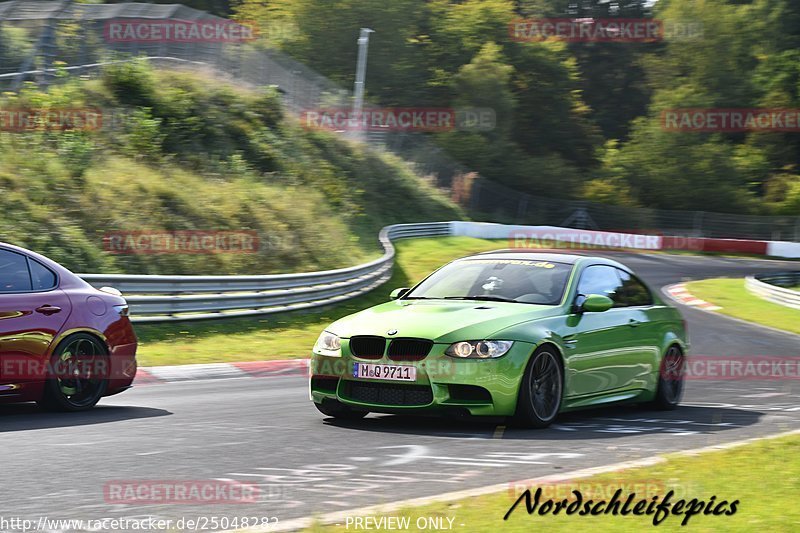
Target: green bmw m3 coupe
{"points": [[524, 335]]}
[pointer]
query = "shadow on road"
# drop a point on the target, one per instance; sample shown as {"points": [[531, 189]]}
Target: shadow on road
{"points": [[27, 416], [590, 425]]}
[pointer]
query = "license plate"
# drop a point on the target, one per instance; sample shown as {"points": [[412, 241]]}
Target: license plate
{"points": [[387, 372]]}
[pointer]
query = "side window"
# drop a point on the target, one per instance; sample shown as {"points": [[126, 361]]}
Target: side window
{"points": [[41, 276], [633, 292], [600, 279], [14, 274]]}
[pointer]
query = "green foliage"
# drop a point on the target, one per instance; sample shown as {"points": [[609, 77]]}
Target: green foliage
{"points": [[783, 194], [559, 105], [740, 62], [15, 46], [144, 137], [608, 191], [132, 82], [75, 150], [486, 82], [323, 35], [661, 169], [551, 118], [184, 152], [459, 54]]}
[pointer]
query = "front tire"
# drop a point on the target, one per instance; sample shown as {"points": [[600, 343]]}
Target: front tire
{"points": [[76, 380], [340, 411], [670, 380], [541, 390]]}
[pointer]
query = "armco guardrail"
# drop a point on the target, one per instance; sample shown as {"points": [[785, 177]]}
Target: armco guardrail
{"points": [[165, 298], [775, 287]]}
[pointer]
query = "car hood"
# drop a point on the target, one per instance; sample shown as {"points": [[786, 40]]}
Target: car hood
{"points": [[439, 320]]}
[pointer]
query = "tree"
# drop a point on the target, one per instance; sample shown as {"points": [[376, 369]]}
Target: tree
{"points": [[483, 83], [15, 46], [323, 35], [740, 62]]}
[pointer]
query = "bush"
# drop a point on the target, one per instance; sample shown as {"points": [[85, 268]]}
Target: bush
{"points": [[184, 152]]}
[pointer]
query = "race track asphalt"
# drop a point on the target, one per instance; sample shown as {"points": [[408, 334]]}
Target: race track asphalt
{"points": [[265, 431]]}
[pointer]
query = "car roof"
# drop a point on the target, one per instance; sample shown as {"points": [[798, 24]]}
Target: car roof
{"points": [[569, 259], [67, 278], [26, 251]]}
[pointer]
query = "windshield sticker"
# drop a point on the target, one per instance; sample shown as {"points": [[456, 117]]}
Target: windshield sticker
{"points": [[535, 264]]}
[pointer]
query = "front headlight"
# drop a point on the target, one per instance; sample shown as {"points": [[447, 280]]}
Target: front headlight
{"points": [[479, 349], [328, 344]]}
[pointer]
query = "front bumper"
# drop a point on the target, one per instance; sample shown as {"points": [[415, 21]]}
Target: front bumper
{"points": [[483, 387]]}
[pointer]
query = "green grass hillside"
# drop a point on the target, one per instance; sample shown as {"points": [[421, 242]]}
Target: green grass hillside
{"points": [[183, 151]]}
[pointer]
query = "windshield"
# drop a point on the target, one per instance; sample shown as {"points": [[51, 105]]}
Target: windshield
{"points": [[513, 280]]}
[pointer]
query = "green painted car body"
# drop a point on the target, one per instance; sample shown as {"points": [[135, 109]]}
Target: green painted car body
{"points": [[606, 356]]}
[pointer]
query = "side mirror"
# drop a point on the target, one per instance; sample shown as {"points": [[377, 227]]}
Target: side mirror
{"points": [[597, 303], [398, 293]]}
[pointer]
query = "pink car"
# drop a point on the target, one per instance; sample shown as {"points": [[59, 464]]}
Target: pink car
{"points": [[63, 343]]}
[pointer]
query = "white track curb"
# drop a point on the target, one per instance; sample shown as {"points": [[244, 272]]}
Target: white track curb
{"points": [[666, 290], [166, 374], [681, 294]]}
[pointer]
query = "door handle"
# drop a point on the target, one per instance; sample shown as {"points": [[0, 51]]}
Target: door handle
{"points": [[48, 309], [633, 323]]}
